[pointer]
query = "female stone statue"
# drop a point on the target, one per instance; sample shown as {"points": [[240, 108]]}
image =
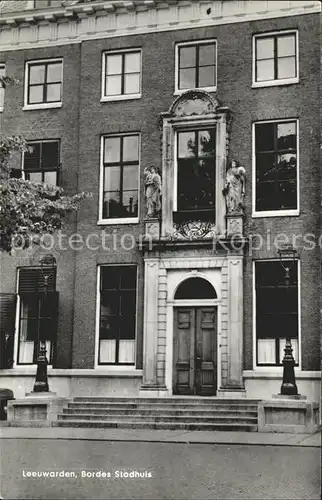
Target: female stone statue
{"points": [[153, 187], [234, 189]]}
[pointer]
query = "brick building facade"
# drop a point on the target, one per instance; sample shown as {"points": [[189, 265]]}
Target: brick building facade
{"points": [[192, 298]]}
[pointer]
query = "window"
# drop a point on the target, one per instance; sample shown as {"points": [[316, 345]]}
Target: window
{"points": [[44, 83], [7, 329], [195, 186], [41, 4], [120, 175], [196, 65], [276, 311], [2, 74], [42, 164], [38, 314], [121, 75], [117, 315], [276, 59], [276, 168], [195, 288]]}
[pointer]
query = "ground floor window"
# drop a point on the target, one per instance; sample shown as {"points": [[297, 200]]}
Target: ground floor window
{"points": [[38, 314], [117, 315], [276, 311]]}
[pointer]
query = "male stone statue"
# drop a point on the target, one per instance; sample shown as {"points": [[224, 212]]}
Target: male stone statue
{"points": [[234, 189], [153, 187]]}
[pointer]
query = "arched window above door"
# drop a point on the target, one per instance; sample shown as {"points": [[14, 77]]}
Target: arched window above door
{"points": [[195, 288]]}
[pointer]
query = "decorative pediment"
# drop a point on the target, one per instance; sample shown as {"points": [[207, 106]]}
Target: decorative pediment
{"points": [[194, 102]]}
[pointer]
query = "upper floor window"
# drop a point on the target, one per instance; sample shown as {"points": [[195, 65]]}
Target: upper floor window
{"points": [[42, 164], [2, 74], [276, 311], [120, 178], [275, 59], [42, 4], [121, 75], [196, 65], [195, 184], [43, 83], [276, 168]]}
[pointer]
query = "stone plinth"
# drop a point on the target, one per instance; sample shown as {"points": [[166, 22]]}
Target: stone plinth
{"points": [[152, 228], [35, 410], [289, 414], [231, 393], [235, 224], [150, 391]]}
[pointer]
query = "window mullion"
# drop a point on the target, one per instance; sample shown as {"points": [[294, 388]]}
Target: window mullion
{"points": [[275, 59], [117, 339], [123, 74], [197, 67], [40, 156], [45, 84], [121, 170]]}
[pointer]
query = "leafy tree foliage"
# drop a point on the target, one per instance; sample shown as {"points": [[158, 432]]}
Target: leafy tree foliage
{"points": [[28, 210]]}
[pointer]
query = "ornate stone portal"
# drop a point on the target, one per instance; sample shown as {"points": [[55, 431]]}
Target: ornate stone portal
{"points": [[177, 254]]}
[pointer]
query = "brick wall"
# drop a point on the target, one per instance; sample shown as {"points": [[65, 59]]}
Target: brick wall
{"points": [[83, 119]]}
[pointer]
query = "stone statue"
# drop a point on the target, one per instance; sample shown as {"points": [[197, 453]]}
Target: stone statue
{"points": [[234, 189], [153, 187]]}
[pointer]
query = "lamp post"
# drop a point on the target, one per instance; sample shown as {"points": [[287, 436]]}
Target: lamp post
{"points": [[47, 266], [288, 387]]}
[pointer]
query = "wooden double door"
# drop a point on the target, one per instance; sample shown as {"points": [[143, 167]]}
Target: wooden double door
{"points": [[195, 351]]}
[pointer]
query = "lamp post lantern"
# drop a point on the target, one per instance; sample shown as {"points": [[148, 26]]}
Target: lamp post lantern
{"points": [[288, 387], [47, 266]]}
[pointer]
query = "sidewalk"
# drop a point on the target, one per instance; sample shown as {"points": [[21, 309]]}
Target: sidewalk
{"points": [[163, 436]]}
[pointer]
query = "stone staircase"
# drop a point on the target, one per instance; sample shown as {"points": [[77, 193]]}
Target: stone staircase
{"points": [[187, 413]]}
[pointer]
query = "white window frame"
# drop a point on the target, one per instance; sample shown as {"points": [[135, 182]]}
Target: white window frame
{"points": [[213, 88], [274, 369], [121, 97], [114, 367], [125, 220], [43, 105], [284, 81], [40, 141], [276, 213], [2, 90]]}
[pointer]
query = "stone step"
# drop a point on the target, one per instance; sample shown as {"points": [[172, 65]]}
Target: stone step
{"points": [[192, 426], [160, 411], [160, 418], [191, 400], [160, 405]]}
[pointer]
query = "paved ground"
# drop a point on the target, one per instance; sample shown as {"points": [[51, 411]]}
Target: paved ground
{"points": [[178, 470], [150, 435]]}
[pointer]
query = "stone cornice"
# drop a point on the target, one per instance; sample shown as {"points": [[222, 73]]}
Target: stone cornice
{"points": [[104, 19]]}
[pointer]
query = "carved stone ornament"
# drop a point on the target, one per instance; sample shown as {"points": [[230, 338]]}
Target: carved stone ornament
{"points": [[193, 230], [234, 190], [153, 191], [152, 229], [194, 102], [235, 225]]}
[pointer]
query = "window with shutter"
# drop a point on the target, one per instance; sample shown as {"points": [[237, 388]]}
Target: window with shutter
{"points": [[2, 73], [38, 314], [42, 163], [7, 328]]}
